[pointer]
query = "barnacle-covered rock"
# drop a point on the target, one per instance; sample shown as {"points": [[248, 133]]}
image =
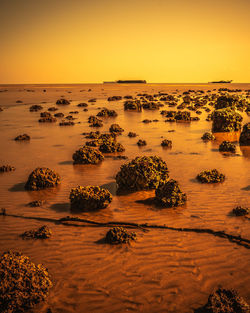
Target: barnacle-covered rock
{"points": [[151, 105], [36, 203], [118, 235], [132, 134], [41, 178], [245, 135], [109, 146], [169, 194], [166, 143], [7, 168], [22, 137], [240, 211], [207, 136], [107, 113], [227, 146], [224, 301], [225, 101], [132, 105], [89, 198], [183, 116], [141, 143], [23, 284], [62, 101], [35, 108], [42, 232], [211, 176], [87, 155], [226, 120], [142, 173], [115, 128]]}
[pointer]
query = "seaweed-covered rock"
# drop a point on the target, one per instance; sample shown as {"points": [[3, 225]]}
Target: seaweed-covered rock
{"points": [[142, 173], [226, 120], [7, 168], [132, 105], [118, 235], [23, 137], [141, 143], [183, 116], [115, 128], [224, 102], [49, 119], [89, 198], [227, 146], [151, 105], [224, 301], [107, 113], [210, 176], [36, 203], [62, 101], [87, 155], [245, 135], [109, 146], [169, 194], [207, 136], [35, 108], [240, 211], [23, 284], [41, 178], [131, 134], [166, 143], [42, 232]]}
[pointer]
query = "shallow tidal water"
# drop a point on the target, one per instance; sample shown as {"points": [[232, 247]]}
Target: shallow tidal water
{"points": [[163, 271]]}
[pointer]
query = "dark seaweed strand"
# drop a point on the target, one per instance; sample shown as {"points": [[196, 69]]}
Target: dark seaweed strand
{"points": [[232, 238]]}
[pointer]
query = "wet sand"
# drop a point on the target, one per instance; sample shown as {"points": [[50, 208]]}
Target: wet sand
{"points": [[163, 271]]}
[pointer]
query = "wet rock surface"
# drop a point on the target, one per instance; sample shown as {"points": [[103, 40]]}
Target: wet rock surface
{"points": [[36, 203], [227, 146], [245, 135], [42, 232], [207, 136], [211, 176], [119, 235], [87, 155], [89, 198], [226, 120], [168, 194], [41, 178]]}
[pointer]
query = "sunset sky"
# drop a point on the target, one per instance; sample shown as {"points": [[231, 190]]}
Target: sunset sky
{"points": [[80, 41]]}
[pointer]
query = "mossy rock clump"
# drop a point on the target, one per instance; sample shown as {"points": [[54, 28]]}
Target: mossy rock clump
{"points": [[23, 137], [132, 105], [132, 134], [35, 108], [245, 135], [87, 155], [49, 119], [41, 233], [23, 284], [107, 113], [183, 116], [109, 146], [168, 194], [59, 114], [207, 136], [7, 168], [224, 301], [142, 173], [115, 98], [41, 178], [227, 146], [166, 143], [36, 203], [240, 211], [118, 235], [226, 120], [115, 128], [225, 102], [141, 143], [211, 176], [89, 198], [45, 114], [66, 123], [62, 102], [151, 105]]}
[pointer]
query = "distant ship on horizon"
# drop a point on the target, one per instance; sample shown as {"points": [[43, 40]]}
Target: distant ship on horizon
{"points": [[129, 81], [221, 82]]}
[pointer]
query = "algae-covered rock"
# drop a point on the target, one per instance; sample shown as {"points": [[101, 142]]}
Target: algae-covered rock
{"points": [[245, 135], [59, 114], [169, 194], [166, 143], [142, 173], [109, 146], [23, 284], [224, 301], [141, 143], [114, 98], [89, 198], [94, 121], [7, 168], [41, 233], [41, 178], [66, 123], [207, 136], [132, 134], [118, 235], [132, 105], [35, 108], [183, 116], [210, 176], [240, 211], [87, 155], [151, 105], [49, 119], [115, 128], [36, 203], [227, 146], [23, 137], [226, 120], [107, 113], [62, 102]]}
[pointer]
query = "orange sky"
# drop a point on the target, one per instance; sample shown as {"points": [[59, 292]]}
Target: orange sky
{"points": [[78, 41]]}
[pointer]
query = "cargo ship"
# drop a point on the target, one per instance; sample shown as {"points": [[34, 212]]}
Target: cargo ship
{"points": [[221, 82], [134, 81]]}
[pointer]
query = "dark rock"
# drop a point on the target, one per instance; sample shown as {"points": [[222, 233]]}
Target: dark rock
{"points": [[207, 136], [115, 128], [36, 203], [211, 176], [227, 146], [107, 113], [62, 102], [35, 108], [49, 119], [7, 168], [114, 98], [41, 233], [131, 134], [41, 178], [110, 146], [22, 137], [66, 123], [84, 105], [141, 143], [59, 114], [52, 109], [245, 135], [118, 235], [240, 211], [87, 155], [166, 143], [169, 194], [132, 105], [226, 120]]}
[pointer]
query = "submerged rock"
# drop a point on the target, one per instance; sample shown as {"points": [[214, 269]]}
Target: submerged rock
{"points": [[142, 173], [109, 146], [114, 98], [210, 176], [132, 105], [22, 137], [115, 128], [41, 178], [23, 284], [226, 120], [107, 113], [41, 233], [118, 235], [59, 114], [207, 136], [87, 155], [35, 108], [66, 123], [240, 211], [166, 143], [49, 119], [245, 135], [62, 101], [7, 168], [227, 146], [131, 134], [224, 301], [89, 198], [169, 194]]}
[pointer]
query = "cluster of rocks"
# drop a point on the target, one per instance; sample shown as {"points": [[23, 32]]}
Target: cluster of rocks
{"points": [[118, 235], [211, 176], [42, 232], [87, 155], [89, 198], [62, 102], [41, 178]]}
